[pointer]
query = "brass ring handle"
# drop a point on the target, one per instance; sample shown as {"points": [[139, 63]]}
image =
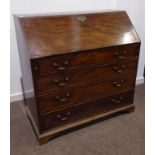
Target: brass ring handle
{"points": [[57, 82], [62, 99], [65, 63], [63, 118]]}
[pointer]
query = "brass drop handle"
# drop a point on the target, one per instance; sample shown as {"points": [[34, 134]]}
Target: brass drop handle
{"points": [[58, 83], [64, 118], [118, 83], [117, 100], [63, 99], [120, 55], [65, 63], [119, 69]]}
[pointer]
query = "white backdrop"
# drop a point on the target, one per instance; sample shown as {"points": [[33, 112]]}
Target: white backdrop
{"points": [[135, 9]]}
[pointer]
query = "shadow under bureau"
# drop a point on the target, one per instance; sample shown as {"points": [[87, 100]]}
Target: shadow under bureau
{"points": [[76, 68]]}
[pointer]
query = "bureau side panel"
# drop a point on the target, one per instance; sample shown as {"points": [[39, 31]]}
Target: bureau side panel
{"points": [[26, 79]]}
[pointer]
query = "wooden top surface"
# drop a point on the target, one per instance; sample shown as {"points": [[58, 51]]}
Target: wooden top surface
{"points": [[58, 34]]}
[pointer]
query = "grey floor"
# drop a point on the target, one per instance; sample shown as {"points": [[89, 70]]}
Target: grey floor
{"points": [[121, 135]]}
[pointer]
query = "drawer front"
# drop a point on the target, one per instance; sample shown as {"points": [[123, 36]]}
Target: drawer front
{"points": [[56, 81], [83, 111], [71, 61], [74, 95]]}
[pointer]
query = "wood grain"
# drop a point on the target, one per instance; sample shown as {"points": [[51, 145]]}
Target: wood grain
{"points": [[91, 73], [80, 68], [82, 93], [46, 66], [75, 113], [63, 34]]}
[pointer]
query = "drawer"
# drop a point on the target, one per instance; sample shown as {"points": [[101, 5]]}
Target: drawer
{"points": [[81, 93], [83, 111], [46, 66], [75, 77]]}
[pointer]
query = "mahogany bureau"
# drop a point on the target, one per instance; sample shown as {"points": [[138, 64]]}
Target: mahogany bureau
{"points": [[76, 68]]}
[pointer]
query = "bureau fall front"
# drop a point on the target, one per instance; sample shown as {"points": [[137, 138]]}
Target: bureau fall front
{"points": [[76, 68]]}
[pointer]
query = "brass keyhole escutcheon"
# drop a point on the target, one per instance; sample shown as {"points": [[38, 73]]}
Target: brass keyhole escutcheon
{"points": [[82, 18]]}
